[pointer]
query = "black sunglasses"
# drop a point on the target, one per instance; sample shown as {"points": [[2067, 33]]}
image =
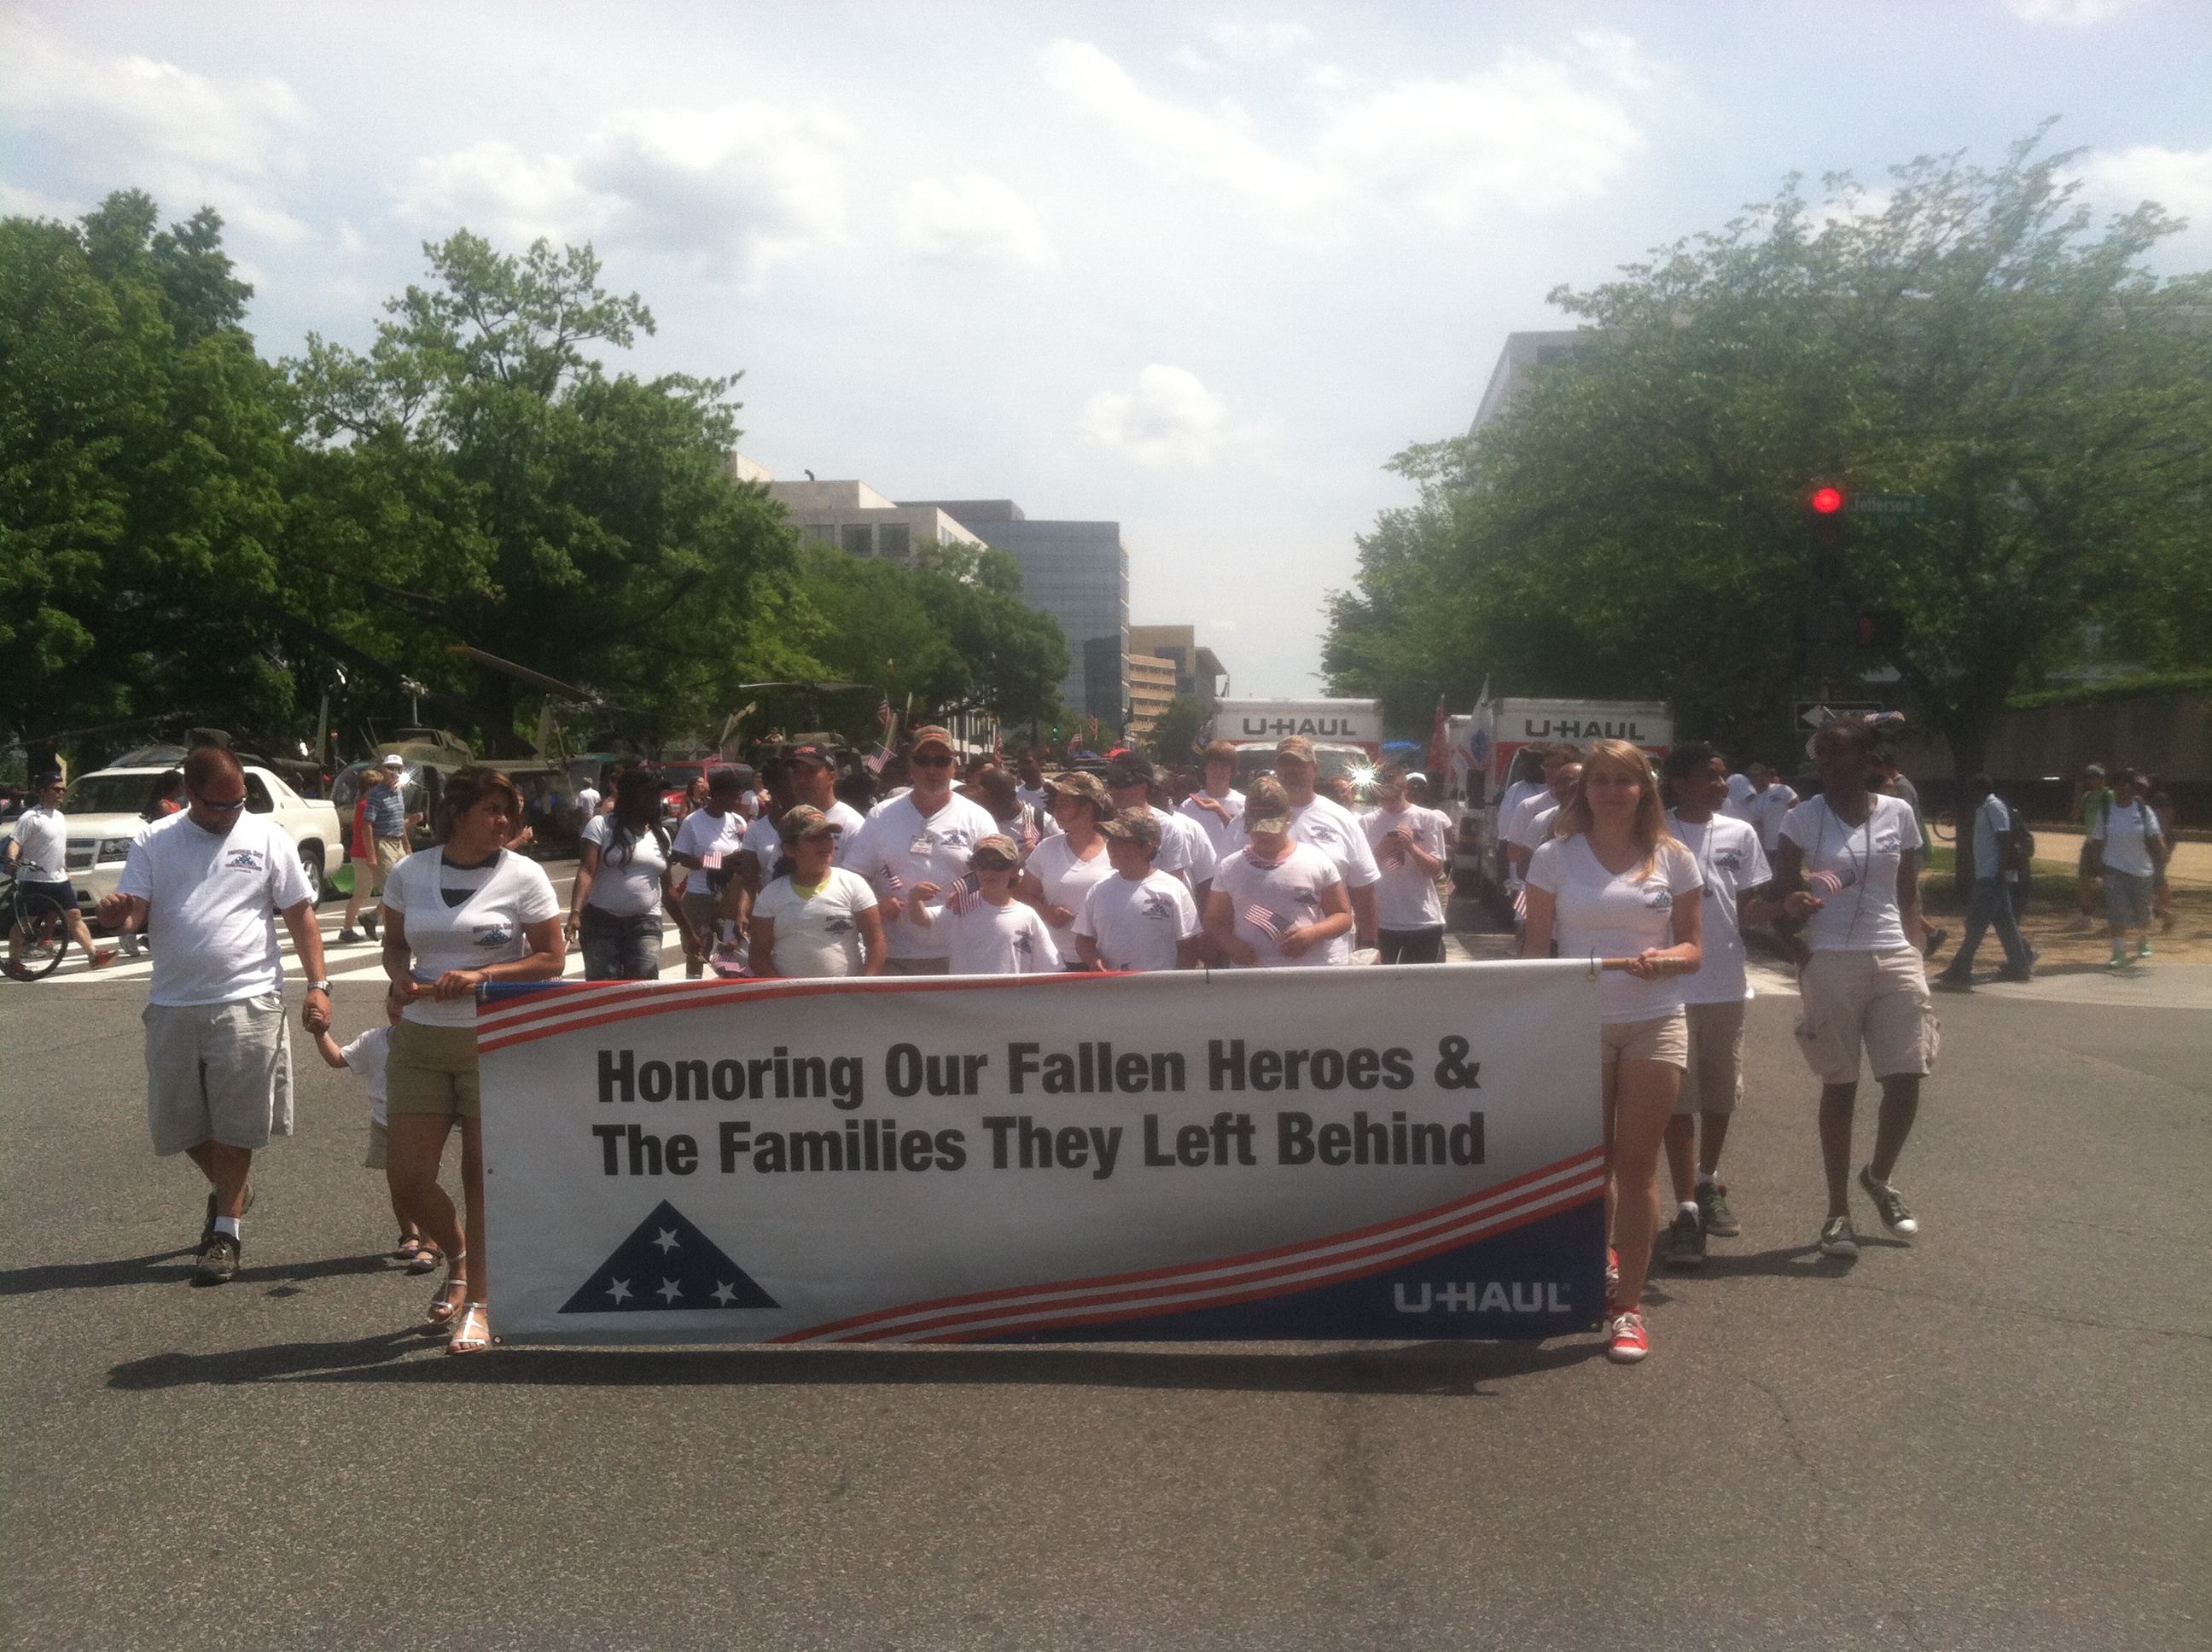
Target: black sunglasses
{"points": [[218, 808], [919, 761]]}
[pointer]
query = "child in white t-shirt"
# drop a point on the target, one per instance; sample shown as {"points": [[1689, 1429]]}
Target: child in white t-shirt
{"points": [[991, 932], [1139, 918], [366, 1056]]}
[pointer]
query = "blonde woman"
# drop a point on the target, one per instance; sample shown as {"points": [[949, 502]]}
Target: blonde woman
{"points": [[1613, 884]]}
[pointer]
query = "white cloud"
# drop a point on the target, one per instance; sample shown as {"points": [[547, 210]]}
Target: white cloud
{"points": [[1530, 132], [2068, 14], [29, 203], [735, 190], [1272, 39], [973, 219], [2180, 180], [1170, 421], [189, 139]]}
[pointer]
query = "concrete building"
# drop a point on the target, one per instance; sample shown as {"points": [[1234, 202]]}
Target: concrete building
{"points": [[1151, 687], [1199, 672], [1523, 351], [855, 516], [1078, 573]]}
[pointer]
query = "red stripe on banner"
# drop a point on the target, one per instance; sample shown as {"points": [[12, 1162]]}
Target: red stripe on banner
{"points": [[1397, 1228], [1251, 1286], [568, 1015]]}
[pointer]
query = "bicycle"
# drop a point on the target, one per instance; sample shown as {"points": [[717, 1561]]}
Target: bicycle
{"points": [[1944, 827], [37, 931]]}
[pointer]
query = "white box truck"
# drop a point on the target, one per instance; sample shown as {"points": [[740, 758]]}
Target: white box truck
{"points": [[1347, 734], [1485, 744]]}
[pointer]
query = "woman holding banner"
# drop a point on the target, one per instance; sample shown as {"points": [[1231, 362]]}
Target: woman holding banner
{"points": [[459, 915], [1614, 885]]}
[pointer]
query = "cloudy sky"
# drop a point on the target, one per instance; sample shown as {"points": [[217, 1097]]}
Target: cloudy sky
{"points": [[1202, 270]]}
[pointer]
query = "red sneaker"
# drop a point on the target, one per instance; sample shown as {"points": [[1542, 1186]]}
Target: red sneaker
{"points": [[1630, 1341], [101, 959]]}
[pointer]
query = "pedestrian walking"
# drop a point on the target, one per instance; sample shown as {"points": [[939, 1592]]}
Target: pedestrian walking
{"points": [[1141, 918], [1769, 802], [38, 854], [1186, 851], [1563, 771], [368, 1058], [1412, 847], [818, 918], [986, 931], [460, 915], [1613, 884], [625, 882], [216, 880], [1333, 829], [1732, 866], [2093, 795], [1989, 841], [706, 846], [1061, 870], [2169, 826], [383, 811], [2131, 853], [923, 837], [1849, 867], [1277, 902]]}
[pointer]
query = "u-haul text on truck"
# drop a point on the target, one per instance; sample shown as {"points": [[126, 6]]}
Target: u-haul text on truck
{"points": [[1325, 722]]}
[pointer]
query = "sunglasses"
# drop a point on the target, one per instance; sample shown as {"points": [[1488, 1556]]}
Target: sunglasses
{"points": [[210, 804], [919, 761]]}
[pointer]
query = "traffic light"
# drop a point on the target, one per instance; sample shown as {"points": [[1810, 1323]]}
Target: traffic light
{"points": [[1825, 509]]}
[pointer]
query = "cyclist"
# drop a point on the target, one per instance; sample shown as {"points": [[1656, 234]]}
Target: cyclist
{"points": [[38, 856]]}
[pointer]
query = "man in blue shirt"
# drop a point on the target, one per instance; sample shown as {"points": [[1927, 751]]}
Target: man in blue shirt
{"points": [[1991, 901]]}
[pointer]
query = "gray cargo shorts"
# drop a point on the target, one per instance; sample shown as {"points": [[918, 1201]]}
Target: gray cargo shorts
{"points": [[218, 1072]]}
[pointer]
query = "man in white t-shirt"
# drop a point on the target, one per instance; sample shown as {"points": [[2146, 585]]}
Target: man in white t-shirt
{"points": [[1411, 846], [1562, 767], [2132, 852], [1218, 806], [588, 804], [218, 1058], [1990, 902], [1140, 917], [916, 846], [1733, 865], [1028, 774], [1186, 851], [707, 845], [1764, 805]]}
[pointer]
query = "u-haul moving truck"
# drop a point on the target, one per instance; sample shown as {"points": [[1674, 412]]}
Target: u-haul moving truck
{"points": [[1485, 744], [1347, 734]]}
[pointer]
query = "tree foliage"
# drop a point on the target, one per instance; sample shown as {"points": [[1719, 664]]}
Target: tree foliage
{"points": [[1177, 731], [1628, 527]]}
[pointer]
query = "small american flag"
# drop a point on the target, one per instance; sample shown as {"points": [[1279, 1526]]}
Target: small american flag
{"points": [[963, 895], [885, 714], [894, 881], [1831, 883], [1521, 905], [1264, 922]]}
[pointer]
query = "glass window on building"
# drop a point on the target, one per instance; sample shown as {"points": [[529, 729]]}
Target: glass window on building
{"points": [[819, 533], [859, 540], [891, 540]]}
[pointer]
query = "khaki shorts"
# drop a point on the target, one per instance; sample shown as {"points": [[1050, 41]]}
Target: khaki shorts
{"points": [[390, 852], [432, 1071], [218, 1072], [1663, 1038], [1716, 1064], [1879, 1000], [379, 1156]]}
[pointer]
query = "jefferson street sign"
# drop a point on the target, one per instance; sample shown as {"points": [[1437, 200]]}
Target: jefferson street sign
{"points": [[1895, 505]]}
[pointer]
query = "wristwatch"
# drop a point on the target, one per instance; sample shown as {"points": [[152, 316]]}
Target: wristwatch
{"points": [[319, 987]]}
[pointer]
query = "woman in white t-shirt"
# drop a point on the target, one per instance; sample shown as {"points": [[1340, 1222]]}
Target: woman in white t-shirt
{"points": [[456, 916], [625, 880], [1614, 886], [817, 919], [1061, 870], [1848, 864], [1277, 902]]}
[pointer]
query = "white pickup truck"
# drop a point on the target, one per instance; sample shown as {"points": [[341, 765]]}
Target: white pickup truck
{"points": [[102, 811]]}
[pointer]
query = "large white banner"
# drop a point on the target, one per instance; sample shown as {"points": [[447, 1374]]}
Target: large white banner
{"points": [[1302, 1153]]}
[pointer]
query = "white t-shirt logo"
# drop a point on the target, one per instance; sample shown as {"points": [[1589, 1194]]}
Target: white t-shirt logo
{"points": [[1157, 905], [493, 934], [1660, 900], [245, 861]]}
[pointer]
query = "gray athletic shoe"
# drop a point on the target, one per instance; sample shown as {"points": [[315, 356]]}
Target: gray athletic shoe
{"points": [[218, 1261], [1889, 1204], [1682, 1245], [1713, 1208], [1837, 1240]]}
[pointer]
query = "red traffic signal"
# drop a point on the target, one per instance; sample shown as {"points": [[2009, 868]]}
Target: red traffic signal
{"points": [[1827, 501]]}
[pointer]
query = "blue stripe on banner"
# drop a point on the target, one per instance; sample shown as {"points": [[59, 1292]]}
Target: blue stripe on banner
{"points": [[1546, 1279]]}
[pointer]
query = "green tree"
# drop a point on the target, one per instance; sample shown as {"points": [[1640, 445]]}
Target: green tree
{"points": [[141, 455], [476, 477], [1177, 731], [1628, 527]]}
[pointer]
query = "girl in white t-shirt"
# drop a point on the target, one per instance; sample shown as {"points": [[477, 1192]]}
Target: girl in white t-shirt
{"points": [[991, 932], [467, 911], [1061, 871], [1613, 885], [819, 920], [1848, 866]]}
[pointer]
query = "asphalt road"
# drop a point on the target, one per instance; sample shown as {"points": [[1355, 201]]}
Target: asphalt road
{"points": [[1995, 1438]]}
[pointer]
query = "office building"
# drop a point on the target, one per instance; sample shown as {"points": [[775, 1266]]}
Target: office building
{"points": [[1523, 351], [854, 516], [1199, 672], [1078, 573], [1151, 687]]}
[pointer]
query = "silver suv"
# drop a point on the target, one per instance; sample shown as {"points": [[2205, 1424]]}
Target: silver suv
{"points": [[102, 810]]}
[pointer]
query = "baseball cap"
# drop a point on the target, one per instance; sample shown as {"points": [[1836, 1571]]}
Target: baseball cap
{"points": [[813, 754], [729, 777], [804, 821], [1137, 826], [1267, 805], [1295, 745], [1129, 768], [1088, 787], [930, 734], [1003, 848], [395, 761]]}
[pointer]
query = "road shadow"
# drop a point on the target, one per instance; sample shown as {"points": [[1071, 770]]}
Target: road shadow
{"points": [[1782, 1262], [170, 1267], [1459, 1369]]}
